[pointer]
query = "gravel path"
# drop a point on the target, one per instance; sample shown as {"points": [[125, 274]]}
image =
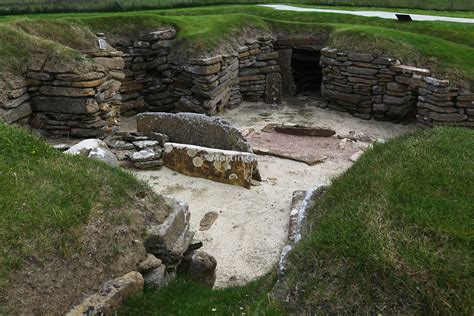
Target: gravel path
{"points": [[378, 14]]}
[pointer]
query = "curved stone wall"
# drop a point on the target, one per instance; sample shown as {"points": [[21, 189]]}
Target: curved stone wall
{"points": [[85, 98]]}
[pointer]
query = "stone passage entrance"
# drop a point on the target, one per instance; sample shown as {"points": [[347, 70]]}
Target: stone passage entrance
{"points": [[307, 73]]}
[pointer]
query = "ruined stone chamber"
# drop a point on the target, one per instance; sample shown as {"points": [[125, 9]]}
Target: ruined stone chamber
{"points": [[86, 97]]}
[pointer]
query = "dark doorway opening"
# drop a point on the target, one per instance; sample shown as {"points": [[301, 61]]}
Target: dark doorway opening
{"points": [[307, 73]]}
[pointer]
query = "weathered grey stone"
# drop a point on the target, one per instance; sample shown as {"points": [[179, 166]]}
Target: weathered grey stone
{"points": [[16, 114], [170, 239], [194, 129], [88, 76], [65, 105], [146, 155], [66, 91], [204, 69], [104, 155], [143, 144], [166, 34], [436, 82], [58, 64], [362, 71], [395, 100], [151, 262], [157, 277], [16, 102], [206, 61], [273, 88], [411, 70], [448, 117], [110, 297], [115, 63], [360, 57], [201, 267], [84, 147], [149, 165]]}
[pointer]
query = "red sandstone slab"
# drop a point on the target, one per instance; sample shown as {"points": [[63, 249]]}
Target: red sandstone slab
{"points": [[310, 150]]}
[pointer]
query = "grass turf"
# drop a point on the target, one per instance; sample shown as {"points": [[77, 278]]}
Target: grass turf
{"points": [[395, 233], [47, 197], [33, 6], [185, 297], [444, 47]]}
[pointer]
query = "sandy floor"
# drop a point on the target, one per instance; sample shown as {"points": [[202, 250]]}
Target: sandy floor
{"points": [[252, 225]]}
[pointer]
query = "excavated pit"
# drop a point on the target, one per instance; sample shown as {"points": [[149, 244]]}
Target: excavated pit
{"points": [[252, 86]]}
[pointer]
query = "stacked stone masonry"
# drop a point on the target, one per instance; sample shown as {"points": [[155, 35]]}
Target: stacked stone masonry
{"points": [[77, 98], [260, 78], [207, 85], [85, 98], [15, 105], [148, 81], [368, 86]]}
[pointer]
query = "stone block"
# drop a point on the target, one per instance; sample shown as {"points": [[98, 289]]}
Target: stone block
{"points": [[110, 296], [66, 91], [360, 57], [231, 167], [65, 105], [115, 63], [273, 88], [204, 69]]}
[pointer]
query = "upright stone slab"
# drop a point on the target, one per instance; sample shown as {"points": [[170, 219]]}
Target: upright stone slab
{"points": [[273, 88], [194, 129], [224, 166]]}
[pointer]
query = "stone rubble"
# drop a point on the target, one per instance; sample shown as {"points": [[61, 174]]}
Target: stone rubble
{"points": [[138, 150]]}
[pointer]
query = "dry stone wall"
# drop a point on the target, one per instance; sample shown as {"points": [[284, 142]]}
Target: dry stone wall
{"points": [[85, 98], [259, 73], [148, 83], [15, 106], [207, 85], [78, 99], [368, 86]]}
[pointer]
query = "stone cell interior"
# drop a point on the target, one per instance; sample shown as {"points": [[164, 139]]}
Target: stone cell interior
{"points": [[307, 72]]}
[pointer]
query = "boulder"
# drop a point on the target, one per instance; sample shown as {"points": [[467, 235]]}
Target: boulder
{"points": [[110, 296], [104, 155], [200, 266], [84, 147], [156, 277], [150, 263]]}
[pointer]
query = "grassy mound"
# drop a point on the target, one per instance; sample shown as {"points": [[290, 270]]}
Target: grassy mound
{"points": [[395, 233], [53, 207], [444, 47]]}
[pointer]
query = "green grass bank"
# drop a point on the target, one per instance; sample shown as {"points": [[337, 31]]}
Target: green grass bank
{"points": [[38, 6], [446, 48]]}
